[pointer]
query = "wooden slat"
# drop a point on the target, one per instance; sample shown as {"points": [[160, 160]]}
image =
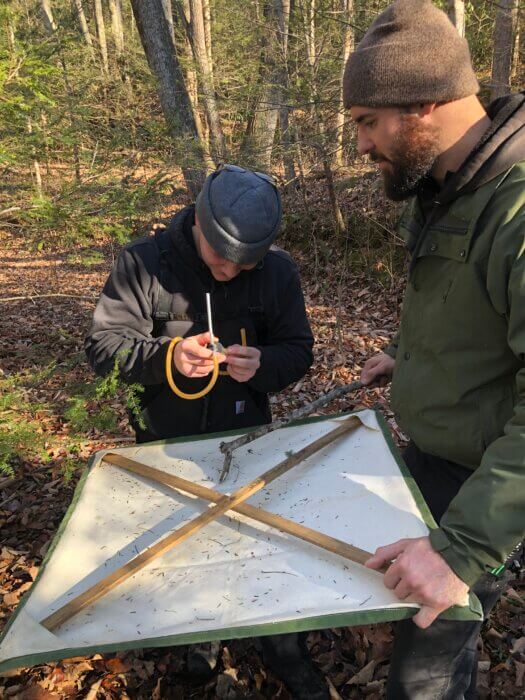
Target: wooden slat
{"points": [[319, 539], [182, 533]]}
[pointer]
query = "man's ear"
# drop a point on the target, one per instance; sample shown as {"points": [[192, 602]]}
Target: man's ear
{"points": [[422, 109], [426, 108]]}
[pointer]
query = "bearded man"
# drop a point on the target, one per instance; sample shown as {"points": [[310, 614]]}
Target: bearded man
{"points": [[458, 360]]}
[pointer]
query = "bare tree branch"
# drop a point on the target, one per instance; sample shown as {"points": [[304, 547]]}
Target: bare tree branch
{"points": [[227, 448]]}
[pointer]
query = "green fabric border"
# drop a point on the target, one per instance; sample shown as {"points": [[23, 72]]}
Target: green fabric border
{"points": [[409, 479], [365, 617]]}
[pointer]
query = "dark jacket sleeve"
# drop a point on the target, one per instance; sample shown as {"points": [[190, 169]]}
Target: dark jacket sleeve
{"points": [[287, 351], [122, 323]]}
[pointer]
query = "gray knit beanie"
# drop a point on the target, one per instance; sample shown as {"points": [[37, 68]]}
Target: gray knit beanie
{"points": [[239, 212], [411, 53]]}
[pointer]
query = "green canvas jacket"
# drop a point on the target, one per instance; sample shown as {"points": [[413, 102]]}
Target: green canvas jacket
{"points": [[458, 387]]}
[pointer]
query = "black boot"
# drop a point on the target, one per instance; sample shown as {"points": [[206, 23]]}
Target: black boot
{"points": [[287, 657], [201, 661]]}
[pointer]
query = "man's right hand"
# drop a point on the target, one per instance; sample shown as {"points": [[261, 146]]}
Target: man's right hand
{"points": [[192, 358], [376, 367]]}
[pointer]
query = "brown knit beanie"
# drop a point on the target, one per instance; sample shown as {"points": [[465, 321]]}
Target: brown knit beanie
{"points": [[411, 53]]}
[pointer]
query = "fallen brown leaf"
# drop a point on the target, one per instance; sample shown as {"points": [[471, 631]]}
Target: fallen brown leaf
{"points": [[117, 665], [35, 692], [518, 646], [157, 693], [11, 598], [364, 676], [92, 694], [520, 673]]}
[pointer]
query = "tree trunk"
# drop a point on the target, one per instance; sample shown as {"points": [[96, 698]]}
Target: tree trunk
{"points": [[36, 164], [47, 15], [288, 146], [207, 30], [36, 173], [101, 35], [11, 38], [191, 83], [339, 221], [348, 47], [174, 99], [206, 77], [503, 44], [43, 122], [51, 28], [309, 24], [132, 26], [317, 118], [519, 47], [283, 13], [456, 12], [117, 27], [79, 11], [270, 107], [168, 13]]}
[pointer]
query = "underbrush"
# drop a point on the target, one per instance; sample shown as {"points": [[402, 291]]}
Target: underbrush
{"points": [[368, 248], [83, 213], [34, 430]]}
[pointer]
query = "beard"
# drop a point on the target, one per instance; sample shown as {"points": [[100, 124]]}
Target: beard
{"points": [[413, 153]]}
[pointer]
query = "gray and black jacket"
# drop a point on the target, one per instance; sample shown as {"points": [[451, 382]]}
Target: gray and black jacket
{"points": [[156, 291]]}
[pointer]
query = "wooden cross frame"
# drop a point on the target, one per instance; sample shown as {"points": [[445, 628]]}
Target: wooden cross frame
{"points": [[222, 504]]}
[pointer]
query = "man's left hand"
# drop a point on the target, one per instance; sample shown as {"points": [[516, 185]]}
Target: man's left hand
{"points": [[243, 362], [420, 575]]}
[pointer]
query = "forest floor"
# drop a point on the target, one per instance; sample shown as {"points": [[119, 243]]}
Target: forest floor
{"points": [[42, 368]]}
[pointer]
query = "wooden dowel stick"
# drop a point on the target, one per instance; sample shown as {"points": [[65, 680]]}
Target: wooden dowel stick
{"points": [[319, 539], [182, 533]]}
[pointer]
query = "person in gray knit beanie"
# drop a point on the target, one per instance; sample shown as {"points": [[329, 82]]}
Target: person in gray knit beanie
{"points": [[239, 213], [411, 53], [152, 322]]}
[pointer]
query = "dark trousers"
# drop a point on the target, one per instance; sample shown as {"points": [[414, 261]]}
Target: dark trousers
{"points": [[440, 662]]}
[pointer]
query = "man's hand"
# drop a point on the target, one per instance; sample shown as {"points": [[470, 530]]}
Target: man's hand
{"points": [[243, 362], [420, 575], [192, 358], [377, 366]]}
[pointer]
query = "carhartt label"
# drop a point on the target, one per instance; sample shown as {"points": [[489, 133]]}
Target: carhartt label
{"points": [[239, 407]]}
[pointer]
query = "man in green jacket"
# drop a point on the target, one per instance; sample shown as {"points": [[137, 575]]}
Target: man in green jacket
{"points": [[458, 361]]}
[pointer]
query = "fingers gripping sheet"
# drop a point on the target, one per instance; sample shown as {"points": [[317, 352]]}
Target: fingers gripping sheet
{"points": [[235, 577]]}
